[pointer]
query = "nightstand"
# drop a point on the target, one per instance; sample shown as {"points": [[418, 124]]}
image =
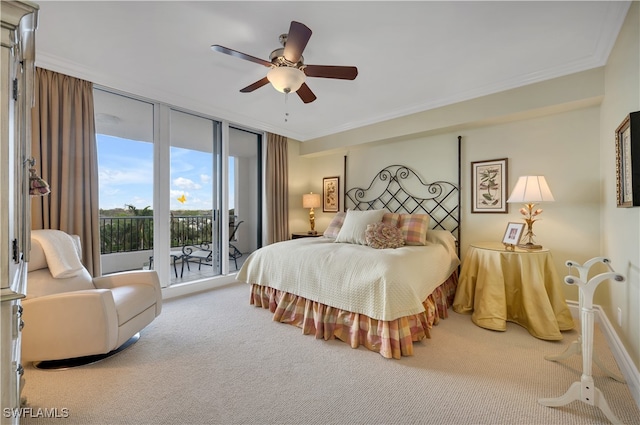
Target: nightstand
{"points": [[298, 235], [521, 286]]}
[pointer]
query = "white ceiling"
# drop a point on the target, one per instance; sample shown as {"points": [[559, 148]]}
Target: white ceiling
{"points": [[411, 56]]}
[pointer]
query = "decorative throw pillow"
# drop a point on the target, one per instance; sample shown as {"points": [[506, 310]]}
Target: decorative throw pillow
{"points": [[335, 225], [414, 228], [442, 237], [355, 225], [391, 218], [384, 235]]}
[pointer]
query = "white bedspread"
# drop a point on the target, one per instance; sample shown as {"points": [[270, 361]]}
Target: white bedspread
{"points": [[384, 284]]}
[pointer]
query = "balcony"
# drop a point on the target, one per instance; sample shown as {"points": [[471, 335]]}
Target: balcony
{"points": [[126, 243]]}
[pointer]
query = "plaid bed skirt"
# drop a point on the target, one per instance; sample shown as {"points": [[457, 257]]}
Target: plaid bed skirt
{"points": [[392, 339]]}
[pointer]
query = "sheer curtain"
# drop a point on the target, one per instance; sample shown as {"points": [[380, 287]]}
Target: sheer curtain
{"points": [[277, 187], [64, 146]]}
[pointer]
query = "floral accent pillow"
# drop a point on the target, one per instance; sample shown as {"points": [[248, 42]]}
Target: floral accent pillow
{"points": [[384, 235], [336, 224]]}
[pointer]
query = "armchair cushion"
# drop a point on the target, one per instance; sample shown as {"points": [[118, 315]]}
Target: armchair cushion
{"points": [[40, 280], [41, 283]]}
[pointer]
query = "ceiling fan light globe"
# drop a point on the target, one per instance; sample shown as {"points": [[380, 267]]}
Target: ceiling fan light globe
{"points": [[286, 79]]}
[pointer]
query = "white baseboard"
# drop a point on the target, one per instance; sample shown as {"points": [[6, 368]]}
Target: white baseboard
{"points": [[624, 361], [193, 287]]}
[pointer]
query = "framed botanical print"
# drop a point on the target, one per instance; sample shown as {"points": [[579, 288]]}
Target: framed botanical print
{"points": [[489, 186], [331, 194], [628, 161]]}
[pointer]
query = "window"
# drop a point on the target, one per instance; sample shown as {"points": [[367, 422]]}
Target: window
{"points": [[160, 165], [124, 125]]}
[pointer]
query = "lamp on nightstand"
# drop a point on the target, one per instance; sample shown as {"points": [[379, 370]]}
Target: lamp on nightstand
{"points": [[529, 190], [311, 201]]}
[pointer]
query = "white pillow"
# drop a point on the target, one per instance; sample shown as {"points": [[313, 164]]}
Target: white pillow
{"points": [[442, 237], [355, 225]]}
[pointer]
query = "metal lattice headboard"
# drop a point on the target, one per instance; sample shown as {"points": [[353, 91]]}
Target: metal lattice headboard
{"points": [[399, 189]]}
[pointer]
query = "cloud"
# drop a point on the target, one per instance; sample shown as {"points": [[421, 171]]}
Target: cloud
{"points": [[141, 203], [185, 184], [177, 193], [115, 177], [109, 192]]}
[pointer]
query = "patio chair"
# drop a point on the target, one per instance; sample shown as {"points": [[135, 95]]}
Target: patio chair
{"points": [[175, 256], [234, 252], [197, 253]]}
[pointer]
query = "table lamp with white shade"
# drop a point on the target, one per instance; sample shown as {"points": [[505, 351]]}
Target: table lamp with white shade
{"points": [[311, 201], [531, 190]]}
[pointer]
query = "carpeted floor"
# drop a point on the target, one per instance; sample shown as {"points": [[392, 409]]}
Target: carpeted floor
{"points": [[211, 358]]}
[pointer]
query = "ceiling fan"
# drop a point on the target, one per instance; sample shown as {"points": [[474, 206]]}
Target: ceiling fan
{"points": [[288, 70]]}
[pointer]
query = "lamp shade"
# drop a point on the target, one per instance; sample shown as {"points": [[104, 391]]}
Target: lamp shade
{"points": [[311, 200], [531, 189], [285, 79]]}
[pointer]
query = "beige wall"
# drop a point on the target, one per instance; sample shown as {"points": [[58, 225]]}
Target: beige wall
{"points": [[562, 129], [620, 227], [562, 146]]}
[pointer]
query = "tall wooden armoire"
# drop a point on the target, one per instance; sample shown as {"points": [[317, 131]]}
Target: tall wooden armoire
{"points": [[17, 73]]}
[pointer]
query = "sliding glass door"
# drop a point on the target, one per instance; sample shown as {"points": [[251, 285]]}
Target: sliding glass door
{"points": [[195, 245], [245, 200]]}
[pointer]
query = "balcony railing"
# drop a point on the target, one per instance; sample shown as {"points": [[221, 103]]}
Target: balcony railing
{"points": [[135, 233]]}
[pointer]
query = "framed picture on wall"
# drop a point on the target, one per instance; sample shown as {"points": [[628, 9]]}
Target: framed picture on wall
{"points": [[331, 194], [489, 186], [628, 161]]}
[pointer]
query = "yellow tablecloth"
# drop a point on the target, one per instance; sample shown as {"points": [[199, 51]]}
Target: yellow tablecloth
{"points": [[520, 286]]}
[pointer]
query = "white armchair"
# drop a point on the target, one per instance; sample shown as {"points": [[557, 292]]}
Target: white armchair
{"points": [[83, 316]]}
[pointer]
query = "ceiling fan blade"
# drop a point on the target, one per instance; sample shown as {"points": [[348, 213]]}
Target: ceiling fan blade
{"points": [[327, 71], [297, 40], [306, 94], [231, 52], [254, 86]]}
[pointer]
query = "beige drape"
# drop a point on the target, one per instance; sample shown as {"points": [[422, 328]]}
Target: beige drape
{"points": [[277, 187], [64, 146]]}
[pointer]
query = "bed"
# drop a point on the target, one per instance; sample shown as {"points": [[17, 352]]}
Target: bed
{"points": [[383, 273]]}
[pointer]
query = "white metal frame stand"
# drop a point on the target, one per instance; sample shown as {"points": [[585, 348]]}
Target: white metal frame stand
{"points": [[585, 390], [575, 348]]}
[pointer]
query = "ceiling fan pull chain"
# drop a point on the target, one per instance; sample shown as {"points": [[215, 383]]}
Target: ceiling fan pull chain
{"points": [[286, 106]]}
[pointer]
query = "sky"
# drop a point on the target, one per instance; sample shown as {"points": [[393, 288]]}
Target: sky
{"points": [[125, 172]]}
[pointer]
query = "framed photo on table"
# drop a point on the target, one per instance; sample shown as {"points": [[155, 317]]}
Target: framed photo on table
{"points": [[489, 186], [628, 161], [331, 194], [513, 233]]}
